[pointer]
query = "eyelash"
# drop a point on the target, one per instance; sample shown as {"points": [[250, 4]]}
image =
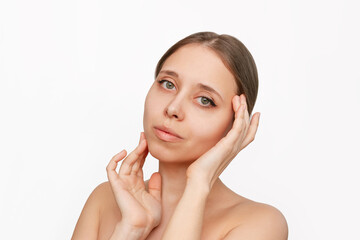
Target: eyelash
{"points": [[212, 104]]}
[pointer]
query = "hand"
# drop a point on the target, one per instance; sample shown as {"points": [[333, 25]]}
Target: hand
{"points": [[211, 164], [139, 208]]}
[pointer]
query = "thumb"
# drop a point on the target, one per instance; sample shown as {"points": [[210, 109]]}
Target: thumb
{"points": [[155, 186]]}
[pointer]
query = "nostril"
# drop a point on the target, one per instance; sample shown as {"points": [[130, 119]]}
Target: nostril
{"points": [[173, 112]]}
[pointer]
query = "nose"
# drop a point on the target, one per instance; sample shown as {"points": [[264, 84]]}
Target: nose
{"points": [[175, 109]]}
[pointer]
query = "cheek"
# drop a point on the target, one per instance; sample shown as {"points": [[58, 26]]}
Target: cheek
{"points": [[153, 115], [206, 132], [201, 129], [152, 108], [211, 130]]}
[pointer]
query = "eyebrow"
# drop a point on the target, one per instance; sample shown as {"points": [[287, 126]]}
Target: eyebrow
{"points": [[200, 85], [171, 73], [209, 89]]}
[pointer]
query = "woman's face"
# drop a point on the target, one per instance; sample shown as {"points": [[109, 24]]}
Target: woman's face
{"points": [[188, 109]]}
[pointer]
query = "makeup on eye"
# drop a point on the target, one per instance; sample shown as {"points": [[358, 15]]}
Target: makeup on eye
{"points": [[206, 102], [166, 84], [202, 100]]}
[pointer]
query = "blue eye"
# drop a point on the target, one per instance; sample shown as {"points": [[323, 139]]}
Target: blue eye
{"points": [[167, 84], [207, 102]]}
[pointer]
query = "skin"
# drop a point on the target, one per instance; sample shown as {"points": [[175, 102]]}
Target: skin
{"points": [[181, 110], [185, 199]]}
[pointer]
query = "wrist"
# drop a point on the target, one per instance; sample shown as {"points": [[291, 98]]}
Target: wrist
{"points": [[126, 231], [201, 179], [198, 187]]}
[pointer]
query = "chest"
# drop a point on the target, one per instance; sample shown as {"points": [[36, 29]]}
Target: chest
{"points": [[215, 226], [209, 232]]}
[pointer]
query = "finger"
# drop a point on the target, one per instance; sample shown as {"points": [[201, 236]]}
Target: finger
{"points": [[235, 103], [245, 125], [155, 186], [143, 156], [252, 130], [142, 136], [140, 162], [143, 159], [239, 122], [138, 151], [140, 173], [242, 106], [137, 166], [246, 118], [111, 167], [126, 166]]}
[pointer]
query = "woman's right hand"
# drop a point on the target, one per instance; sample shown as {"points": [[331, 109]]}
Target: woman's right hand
{"points": [[140, 209]]}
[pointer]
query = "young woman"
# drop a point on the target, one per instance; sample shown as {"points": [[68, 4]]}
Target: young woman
{"points": [[196, 120]]}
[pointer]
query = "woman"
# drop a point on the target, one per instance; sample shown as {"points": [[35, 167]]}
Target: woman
{"points": [[196, 120]]}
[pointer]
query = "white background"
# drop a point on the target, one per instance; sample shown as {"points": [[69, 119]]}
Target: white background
{"points": [[74, 76]]}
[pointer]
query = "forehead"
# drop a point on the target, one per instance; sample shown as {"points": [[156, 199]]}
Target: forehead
{"points": [[195, 63]]}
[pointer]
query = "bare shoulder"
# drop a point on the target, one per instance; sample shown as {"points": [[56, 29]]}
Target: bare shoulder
{"points": [[257, 221], [89, 221], [101, 189], [105, 201], [103, 194]]}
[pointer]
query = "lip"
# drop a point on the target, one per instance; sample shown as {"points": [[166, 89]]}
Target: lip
{"points": [[167, 134]]}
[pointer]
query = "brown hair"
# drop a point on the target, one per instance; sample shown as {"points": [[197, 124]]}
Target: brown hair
{"points": [[235, 56]]}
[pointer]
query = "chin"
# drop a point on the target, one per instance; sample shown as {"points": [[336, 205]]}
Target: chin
{"points": [[163, 153], [173, 154], [180, 152]]}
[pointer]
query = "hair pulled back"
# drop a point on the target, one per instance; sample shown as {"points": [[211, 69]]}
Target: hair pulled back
{"points": [[235, 56]]}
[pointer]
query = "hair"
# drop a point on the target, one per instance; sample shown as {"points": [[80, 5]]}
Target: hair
{"points": [[235, 56]]}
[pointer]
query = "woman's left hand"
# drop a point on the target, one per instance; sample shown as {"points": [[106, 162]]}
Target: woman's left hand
{"points": [[212, 163]]}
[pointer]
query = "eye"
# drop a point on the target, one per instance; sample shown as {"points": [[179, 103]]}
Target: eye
{"points": [[167, 84], [206, 102]]}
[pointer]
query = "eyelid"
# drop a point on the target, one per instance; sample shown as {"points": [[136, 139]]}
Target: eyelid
{"points": [[211, 102], [210, 99], [161, 81]]}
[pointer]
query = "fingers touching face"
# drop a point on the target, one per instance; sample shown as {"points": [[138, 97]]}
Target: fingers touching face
{"points": [[132, 164], [191, 97], [244, 130]]}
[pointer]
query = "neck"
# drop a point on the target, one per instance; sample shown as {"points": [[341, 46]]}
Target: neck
{"points": [[173, 179]]}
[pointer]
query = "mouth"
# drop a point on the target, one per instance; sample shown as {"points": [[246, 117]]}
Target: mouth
{"points": [[166, 134]]}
